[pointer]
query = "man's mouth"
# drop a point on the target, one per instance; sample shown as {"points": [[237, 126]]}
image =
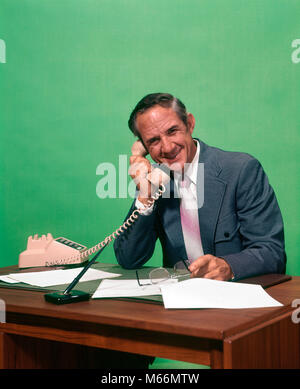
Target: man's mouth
{"points": [[171, 158]]}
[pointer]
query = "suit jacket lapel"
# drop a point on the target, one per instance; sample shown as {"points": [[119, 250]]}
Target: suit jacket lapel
{"points": [[210, 199], [214, 190], [171, 222]]}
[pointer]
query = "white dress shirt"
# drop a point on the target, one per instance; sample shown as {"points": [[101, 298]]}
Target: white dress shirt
{"points": [[187, 191]]}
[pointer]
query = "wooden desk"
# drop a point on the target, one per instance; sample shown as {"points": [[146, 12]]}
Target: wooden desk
{"points": [[39, 334]]}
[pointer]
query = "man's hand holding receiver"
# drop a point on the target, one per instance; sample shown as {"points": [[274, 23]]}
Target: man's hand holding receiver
{"points": [[139, 168]]}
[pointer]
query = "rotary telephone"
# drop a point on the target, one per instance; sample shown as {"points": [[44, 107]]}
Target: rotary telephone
{"points": [[47, 251]]}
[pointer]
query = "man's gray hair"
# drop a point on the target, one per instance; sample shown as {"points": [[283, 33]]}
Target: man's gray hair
{"points": [[165, 100]]}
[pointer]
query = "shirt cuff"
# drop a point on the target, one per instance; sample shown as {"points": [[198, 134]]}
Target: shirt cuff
{"points": [[145, 211]]}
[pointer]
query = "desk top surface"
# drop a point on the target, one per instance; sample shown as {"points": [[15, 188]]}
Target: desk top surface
{"points": [[208, 323]]}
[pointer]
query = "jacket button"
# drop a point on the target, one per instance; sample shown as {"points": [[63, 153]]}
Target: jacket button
{"points": [[226, 234]]}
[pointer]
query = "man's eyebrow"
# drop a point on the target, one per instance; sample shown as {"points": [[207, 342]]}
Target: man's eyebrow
{"points": [[172, 128]]}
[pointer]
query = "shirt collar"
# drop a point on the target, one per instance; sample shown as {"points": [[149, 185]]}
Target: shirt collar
{"points": [[191, 169]]}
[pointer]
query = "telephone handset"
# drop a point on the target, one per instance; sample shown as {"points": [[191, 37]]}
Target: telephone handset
{"points": [[47, 251], [158, 176]]}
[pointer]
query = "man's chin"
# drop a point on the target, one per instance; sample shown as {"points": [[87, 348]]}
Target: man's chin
{"points": [[175, 166]]}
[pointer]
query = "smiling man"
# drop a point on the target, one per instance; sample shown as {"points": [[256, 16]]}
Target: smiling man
{"points": [[236, 232]]}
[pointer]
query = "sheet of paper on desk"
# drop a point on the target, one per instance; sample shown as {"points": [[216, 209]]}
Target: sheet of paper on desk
{"points": [[8, 280], [206, 293], [58, 277], [127, 288]]}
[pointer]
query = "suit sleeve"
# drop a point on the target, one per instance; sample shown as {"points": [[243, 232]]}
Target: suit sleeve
{"points": [[135, 246], [261, 225]]}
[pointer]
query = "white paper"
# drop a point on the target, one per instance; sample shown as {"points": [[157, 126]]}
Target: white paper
{"points": [[206, 293], [58, 277], [128, 288], [8, 280]]}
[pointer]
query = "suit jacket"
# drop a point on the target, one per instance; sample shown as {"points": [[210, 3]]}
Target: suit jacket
{"points": [[240, 219]]}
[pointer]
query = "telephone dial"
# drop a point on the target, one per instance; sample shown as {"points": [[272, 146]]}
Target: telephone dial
{"points": [[47, 251]]}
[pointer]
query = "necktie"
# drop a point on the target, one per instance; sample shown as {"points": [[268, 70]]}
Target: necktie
{"points": [[190, 220]]}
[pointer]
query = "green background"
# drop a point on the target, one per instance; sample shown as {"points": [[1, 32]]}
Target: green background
{"points": [[74, 71]]}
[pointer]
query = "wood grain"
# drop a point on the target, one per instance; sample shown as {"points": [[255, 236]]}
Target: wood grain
{"points": [[229, 338]]}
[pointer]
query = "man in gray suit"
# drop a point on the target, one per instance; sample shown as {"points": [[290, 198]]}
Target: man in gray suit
{"points": [[225, 221]]}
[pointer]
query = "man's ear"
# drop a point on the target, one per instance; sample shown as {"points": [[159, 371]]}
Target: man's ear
{"points": [[190, 122]]}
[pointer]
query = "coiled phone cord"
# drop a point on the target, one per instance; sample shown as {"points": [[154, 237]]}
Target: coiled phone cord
{"points": [[130, 220]]}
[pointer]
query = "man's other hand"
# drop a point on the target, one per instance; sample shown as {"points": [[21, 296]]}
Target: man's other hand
{"points": [[209, 266]]}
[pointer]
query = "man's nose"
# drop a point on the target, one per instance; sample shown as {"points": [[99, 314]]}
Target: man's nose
{"points": [[166, 146]]}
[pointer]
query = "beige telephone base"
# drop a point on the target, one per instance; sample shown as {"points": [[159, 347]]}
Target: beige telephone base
{"points": [[47, 251]]}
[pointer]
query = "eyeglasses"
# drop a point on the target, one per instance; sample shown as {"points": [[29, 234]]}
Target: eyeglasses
{"points": [[161, 274]]}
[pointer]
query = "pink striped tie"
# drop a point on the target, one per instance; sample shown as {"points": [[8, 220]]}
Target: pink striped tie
{"points": [[190, 221]]}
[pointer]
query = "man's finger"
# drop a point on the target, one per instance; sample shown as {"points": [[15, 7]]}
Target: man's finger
{"points": [[199, 262], [200, 271]]}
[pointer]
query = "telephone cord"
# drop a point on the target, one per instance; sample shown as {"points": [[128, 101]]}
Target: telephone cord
{"points": [[129, 221]]}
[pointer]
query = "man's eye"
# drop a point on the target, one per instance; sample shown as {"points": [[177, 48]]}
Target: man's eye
{"points": [[153, 141]]}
